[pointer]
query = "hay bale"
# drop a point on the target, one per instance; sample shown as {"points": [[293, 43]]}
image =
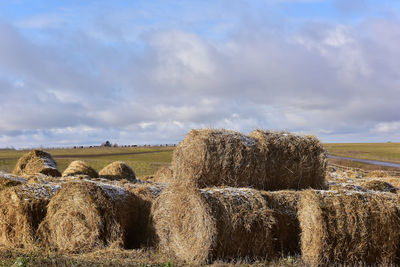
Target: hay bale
{"points": [[22, 209], [290, 161], [379, 185], [197, 225], [118, 170], [9, 180], [84, 216], [79, 167], [36, 161], [349, 227], [265, 160], [164, 174]]}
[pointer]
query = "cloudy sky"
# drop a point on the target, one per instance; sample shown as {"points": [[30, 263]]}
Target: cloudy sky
{"points": [[135, 72]]}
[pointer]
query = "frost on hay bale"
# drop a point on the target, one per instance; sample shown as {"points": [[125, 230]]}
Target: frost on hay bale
{"points": [[117, 171], [79, 167], [164, 174], [265, 160], [290, 161], [379, 185], [22, 209], [84, 216], [9, 180], [36, 161], [197, 225], [145, 195], [348, 227]]}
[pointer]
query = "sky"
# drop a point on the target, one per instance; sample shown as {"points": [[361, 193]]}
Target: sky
{"points": [[146, 72]]}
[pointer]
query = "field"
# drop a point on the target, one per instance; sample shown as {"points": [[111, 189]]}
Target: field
{"points": [[389, 152], [144, 160]]}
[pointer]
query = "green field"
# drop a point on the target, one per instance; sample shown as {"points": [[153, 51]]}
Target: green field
{"points": [[375, 151], [144, 160]]}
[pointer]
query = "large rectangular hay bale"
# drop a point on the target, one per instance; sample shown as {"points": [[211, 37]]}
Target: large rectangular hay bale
{"points": [[198, 225], [264, 160], [349, 227]]}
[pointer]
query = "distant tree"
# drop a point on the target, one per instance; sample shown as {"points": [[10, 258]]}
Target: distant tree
{"points": [[106, 144]]}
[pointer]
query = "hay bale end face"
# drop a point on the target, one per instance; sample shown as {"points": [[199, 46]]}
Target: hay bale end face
{"points": [[264, 160], [22, 209], [36, 161], [349, 227], [79, 167], [117, 171], [217, 223], [84, 216]]}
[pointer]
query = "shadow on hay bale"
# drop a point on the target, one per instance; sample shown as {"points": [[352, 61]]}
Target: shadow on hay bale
{"points": [[379, 185], [199, 225], [79, 167], [36, 161], [349, 227], [22, 209], [263, 160], [118, 170], [85, 216]]}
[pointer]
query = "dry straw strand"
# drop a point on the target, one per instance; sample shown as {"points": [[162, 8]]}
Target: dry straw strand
{"points": [[22, 209], [197, 225], [79, 167], [118, 170], [36, 161], [349, 227]]}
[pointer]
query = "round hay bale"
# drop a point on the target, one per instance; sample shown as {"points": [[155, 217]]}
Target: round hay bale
{"points": [[164, 174], [290, 161], [22, 209], [349, 227], [36, 161], [197, 225], [85, 216], [265, 160], [79, 167], [379, 185], [117, 171], [9, 180]]}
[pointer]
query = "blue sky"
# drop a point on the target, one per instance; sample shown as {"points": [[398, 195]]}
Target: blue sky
{"points": [[136, 72]]}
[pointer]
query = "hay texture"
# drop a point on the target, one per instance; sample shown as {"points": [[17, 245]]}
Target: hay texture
{"points": [[290, 161], [79, 167], [36, 161], [9, 180], [199, 225], [164, 174], [84, 216], [379, 185], [22, 209], [263, 160], [117, 171], [349, 227]]}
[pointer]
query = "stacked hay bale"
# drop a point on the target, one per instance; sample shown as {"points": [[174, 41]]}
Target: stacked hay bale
{"points": [[263, 160], [379, 185], [198, 225], [36, 161], [79, 167], [9, 180], [117, 171], [348, 227], [164, 174], [22, 209]]}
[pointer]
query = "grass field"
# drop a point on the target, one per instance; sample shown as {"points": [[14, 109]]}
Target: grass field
{"points": [[144, 160]]}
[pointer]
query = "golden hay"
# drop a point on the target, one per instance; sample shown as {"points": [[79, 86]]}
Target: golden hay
{"points": [[197, 225], [79, 167], [394, 181], [164, 174], [9, 180], [117, 171], [349, 227], [265, 160], [36, 161], [22, 208], [379, 185], [84, 216], [290, 161]]}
